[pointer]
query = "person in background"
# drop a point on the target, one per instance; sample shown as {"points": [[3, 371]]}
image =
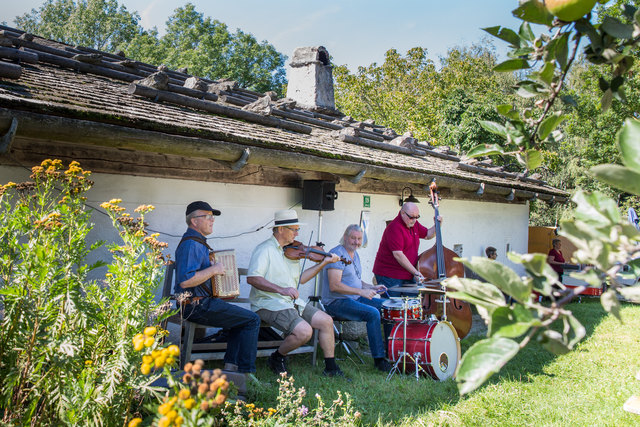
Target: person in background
{"points": [[491, 252], [347, 297], [556, 259]]}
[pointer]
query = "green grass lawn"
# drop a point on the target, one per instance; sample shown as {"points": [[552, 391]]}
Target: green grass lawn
{"points": [[586, 387]]}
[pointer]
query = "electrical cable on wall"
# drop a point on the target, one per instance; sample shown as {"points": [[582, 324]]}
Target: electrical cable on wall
{"points": [[95, 209]]}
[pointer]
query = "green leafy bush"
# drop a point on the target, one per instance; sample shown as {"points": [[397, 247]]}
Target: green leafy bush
{"points": [[65, 352]]}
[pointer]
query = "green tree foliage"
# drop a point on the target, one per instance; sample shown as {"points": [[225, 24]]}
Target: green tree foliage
{"points": [[606, 243], [99, 24], [207, 48], [441, 106], [203, 45], [65, 340]]}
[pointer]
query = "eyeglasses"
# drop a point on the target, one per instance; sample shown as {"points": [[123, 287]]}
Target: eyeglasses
{"points": [[411, 217], [207, 216], [295, 230]]}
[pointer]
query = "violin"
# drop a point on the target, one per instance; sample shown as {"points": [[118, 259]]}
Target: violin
{"points": [[297, 250], [438, 263]]}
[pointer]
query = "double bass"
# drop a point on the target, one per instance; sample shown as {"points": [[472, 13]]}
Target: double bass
{"points": [[435, 264]]}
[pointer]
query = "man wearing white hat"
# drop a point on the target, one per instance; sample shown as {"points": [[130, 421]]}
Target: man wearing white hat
{"points": [[274, 295]]}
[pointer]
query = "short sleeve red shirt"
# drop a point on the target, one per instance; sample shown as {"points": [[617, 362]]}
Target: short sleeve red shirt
{"points": [[557, 257], [398, 237]]}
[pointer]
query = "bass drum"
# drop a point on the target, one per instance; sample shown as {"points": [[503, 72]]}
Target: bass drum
{"points": [[434, 345]]}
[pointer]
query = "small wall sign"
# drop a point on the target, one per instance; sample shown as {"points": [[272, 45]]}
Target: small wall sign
{"points": [[366, 201]]}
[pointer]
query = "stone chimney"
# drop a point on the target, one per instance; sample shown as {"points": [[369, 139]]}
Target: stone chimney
{"points": [[311, 78]]}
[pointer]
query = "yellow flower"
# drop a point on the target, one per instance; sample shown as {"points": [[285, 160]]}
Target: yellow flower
{"points": [[164, 422], [135, 422], [159, 362], [149, 341], [184, 394], [178, 421], [145, 369], [170, 361], [147, 359], [150, 331], [88, 362], [189, 403], [172, 414], [174, 350], [164, 408]]}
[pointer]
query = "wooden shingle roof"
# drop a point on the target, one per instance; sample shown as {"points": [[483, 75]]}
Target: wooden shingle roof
{"points": [[74, 100]]}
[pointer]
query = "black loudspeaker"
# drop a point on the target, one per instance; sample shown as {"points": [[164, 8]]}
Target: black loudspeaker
{"points": [[318, 195]]}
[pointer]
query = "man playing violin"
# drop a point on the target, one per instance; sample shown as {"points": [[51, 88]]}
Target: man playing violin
{"points": [[274, 295], [193, 274], [346, 296], [397, 257]]}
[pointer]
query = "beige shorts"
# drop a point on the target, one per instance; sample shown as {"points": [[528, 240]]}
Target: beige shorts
{"points": [[287, 320]]}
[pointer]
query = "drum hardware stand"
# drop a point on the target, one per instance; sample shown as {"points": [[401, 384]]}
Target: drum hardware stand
{"points": [[415, 358]]}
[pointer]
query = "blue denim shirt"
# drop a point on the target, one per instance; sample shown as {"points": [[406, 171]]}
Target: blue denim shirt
{"points": [[191, 256]]}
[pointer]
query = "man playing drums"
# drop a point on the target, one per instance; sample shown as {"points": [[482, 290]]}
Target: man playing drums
{"points": [[274, 295], [346, 296], [395, 263]]}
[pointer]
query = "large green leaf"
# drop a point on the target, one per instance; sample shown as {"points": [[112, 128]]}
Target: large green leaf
{"points": [[553, 341], [549, 124], [511, 322], [631, 293], [576, 330], [475, 292], [507, 110], [595, 208], [512, 65], [620, 177], [629, 144], [500, 275], [542, 275], [610, 303], [494, 127], [482, 360], [525, 32], [505, 34], [485, 150], [533, 158], [533, 11], [615, 28]]}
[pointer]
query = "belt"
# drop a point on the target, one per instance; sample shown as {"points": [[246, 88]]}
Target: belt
{"points": [[192, 300]]}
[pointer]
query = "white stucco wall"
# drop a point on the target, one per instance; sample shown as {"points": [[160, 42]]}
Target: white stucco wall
{"points": [[245, 209]]}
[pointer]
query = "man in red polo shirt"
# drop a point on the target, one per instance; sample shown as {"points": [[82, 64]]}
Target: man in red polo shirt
{"points": [[397, 256]]}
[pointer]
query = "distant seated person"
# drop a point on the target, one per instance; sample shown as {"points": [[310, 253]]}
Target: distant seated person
{"points": [[193, 275], [274, 296], [492, 253], [347, 297], [556, 259]]}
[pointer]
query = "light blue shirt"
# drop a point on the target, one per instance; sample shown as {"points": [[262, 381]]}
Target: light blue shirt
{"points": [[351, 276]]}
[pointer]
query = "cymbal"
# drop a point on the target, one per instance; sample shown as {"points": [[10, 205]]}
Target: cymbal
{"points": [[406, 289], [428, 290]]}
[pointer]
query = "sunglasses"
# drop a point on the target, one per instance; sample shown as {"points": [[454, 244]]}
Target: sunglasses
{"points": [[411, 217]]}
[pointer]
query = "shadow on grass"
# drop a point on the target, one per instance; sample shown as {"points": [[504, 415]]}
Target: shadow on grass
{"points": [[388, 402]]}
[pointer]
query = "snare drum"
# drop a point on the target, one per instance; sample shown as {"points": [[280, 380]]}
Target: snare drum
{"points": [[394, 309]]}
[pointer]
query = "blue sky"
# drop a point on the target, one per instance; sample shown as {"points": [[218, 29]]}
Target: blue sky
{"points": [[355, 32]]}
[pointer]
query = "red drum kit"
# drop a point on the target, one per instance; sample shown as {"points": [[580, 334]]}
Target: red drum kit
{"points": [[419, 345]]}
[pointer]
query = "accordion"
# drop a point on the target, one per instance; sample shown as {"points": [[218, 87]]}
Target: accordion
{"points": [[227, 285]]}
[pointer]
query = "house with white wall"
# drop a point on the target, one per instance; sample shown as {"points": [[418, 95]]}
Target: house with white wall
{"points": [[163, 137]]}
